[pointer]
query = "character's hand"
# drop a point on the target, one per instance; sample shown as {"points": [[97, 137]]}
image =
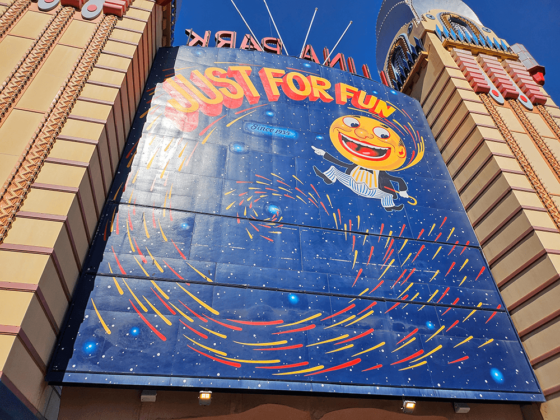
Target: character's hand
{"points": [[319, 152], [403, 194]]}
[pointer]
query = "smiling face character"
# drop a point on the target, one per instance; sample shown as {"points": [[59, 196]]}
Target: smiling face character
{"points": [[368, 143]]}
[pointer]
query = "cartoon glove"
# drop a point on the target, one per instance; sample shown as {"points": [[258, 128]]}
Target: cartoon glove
{"points": [[403, 194], [319, 152]]}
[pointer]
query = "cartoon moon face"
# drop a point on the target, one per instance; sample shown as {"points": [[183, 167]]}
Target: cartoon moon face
{"points": [[368, 143]]}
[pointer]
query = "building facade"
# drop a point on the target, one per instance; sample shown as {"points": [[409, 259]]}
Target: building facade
{"points": [[97, 134]]}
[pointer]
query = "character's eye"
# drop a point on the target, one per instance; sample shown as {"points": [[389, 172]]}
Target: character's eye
{"points": [[351, 122], [381, 133]]}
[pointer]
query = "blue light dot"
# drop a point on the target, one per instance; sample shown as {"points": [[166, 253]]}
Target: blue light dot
{"points": [[430, 325], [319, 138], [393, 92], [294, 299], [238, 147], [90, 347], [135, 331], [306, 65], [375, 92], [273, 209], [497, 376], [199, 53], [185, 226], [269, 113]]}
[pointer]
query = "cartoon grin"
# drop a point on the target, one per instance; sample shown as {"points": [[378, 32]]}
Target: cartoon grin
{"points": [[363, 150]]}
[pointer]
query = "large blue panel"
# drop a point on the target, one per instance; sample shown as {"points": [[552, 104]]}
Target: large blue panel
{"points": [[283, 242]]}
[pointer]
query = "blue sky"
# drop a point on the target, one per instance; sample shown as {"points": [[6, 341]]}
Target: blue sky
{"points": [[532, 23]]}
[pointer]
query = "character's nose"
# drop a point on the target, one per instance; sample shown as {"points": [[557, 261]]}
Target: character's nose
{"points": [[360, 132]]}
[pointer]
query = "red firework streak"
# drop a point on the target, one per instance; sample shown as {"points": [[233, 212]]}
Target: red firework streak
{"points": [[448, 309], [174, 272], [193, 312], [442, 223], [480, 273], [278, 321], [225, 362], [380, 232], [452, 325], [407, 336], [340, 312], [390, 246], [418, 253], [373, 367], [194, 331], [353, 242], [456, 242], [401, 232], [396, 304], [309, 327], [493, 313], [465, 247], [178, 250], [444, 293], [342, 366], [358, 336], [376, 287], [359, 272], [420, 234], [156, 332], [231, 327], [165, 304], [450, 268], [412, 356], [118, 262], [400, 277], [283, 366], [462, 359], [409, 274], [370, 254]]}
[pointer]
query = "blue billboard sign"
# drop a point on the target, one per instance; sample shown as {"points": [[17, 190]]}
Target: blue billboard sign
{"points": [[276, 224]]}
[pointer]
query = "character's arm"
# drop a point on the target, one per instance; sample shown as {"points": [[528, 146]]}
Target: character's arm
{"points": [[331, 158], [402, 185]]}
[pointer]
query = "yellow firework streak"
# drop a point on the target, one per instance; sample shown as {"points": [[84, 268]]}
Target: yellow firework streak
{"points": [[413, 366], [164, 203], [152, 123], [406, 259], [130, 198], [263, 183], [273, 343], [200, 274], [360, 318], [473, 311], [164, 169], [188, 318], [405, 242], [464, 341], [405, 290], [297, 179], [301, 199], [436, 333], [221, 353], [155, 261], [183, 149], [152, 159], [237, 119], [229, 207], [167, 147], [161, 230], [213, 332], [365, 236], [297, 372], [252, 361], [140, 265], [229, 192], [333, 215], [200, 302], [152, 140], [405, 344], [465, 263], [302, 321], [168, 322], [358, 222], [284, 189], [437, 252], [431, 297], [129, 238], [433, 226], [328, 341], [116, 282], [462, 281], [208, 135], [134, 296], [427, 354], [370, 349], [117, 193], [365, 290], [488, 342], [349, 346], [159, 290], [413, 297], [328, 198], [135, 176], [105, 327], [355, 255], [450, 233], [341, 322], [389, 266], [388, 238], [434, 276], [277, 176], [249, 233], [145, 226]]}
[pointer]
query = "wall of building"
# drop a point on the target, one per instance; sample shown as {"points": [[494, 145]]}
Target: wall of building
{"points": [[70, 91], [94, 403], [505, 192]]}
